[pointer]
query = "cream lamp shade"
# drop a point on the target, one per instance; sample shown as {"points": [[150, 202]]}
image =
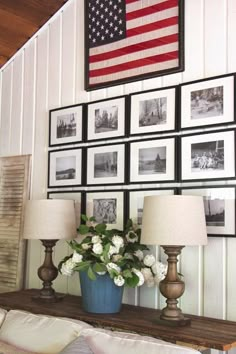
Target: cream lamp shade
{"points": [[174, 220], [49, 219]]}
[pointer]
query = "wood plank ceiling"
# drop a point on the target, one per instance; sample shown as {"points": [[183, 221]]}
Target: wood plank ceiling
{"points": [[19, 20]]}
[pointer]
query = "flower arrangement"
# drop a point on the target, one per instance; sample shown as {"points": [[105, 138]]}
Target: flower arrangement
{"points": [[118, 253]]}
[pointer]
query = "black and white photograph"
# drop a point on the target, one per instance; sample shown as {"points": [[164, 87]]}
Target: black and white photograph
{"points": [[136, 199], [66, 125], [106, 119], [106, 164], [107, 207], [152, 160], [64, 167], [219, 206], [208, 156], [207, 102], [76, 196], [153, 111]]}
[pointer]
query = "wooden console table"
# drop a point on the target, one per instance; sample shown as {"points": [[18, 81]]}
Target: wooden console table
{"points": [[203, 332]]}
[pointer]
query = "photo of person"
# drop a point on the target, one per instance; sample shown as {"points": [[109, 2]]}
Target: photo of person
{"points": [[152, 112], [105, 210], [207, 103], [106, 119], [207, 156], [152, 160], [66, 125]]}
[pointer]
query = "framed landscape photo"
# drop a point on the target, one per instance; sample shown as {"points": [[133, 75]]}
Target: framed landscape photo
{"points": [[152, 160], [136, 199], [107, 207], [208, 156], [132, 40], [106, 164], [219, 205], [64, 167], [208, 102], [153, 111], [66, 125], [75, 195], [106, 119]]}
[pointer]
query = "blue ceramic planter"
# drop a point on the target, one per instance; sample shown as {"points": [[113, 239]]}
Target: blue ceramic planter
{"points": [[100, 295]]}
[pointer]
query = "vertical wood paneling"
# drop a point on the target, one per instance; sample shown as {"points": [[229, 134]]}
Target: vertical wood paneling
{"points": [[17, 107], [6, 106]]}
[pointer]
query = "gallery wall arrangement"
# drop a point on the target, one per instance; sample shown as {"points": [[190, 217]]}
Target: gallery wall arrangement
{"points": [[143, 142]]}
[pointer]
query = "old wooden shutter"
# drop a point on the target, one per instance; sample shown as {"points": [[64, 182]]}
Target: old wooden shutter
{"points": [[14, 191]]}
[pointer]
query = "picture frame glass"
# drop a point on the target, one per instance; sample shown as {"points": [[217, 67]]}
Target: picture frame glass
{"points": [[219, 206], [153, 112], [207, 102], [152, 160], [208, 156], [107, 207], [66, 125], [136, 200], [106, 164], [106, 119], [65, 167]]}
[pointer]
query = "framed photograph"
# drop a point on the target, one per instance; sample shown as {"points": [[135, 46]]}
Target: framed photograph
{"points": [[66, 125], [106, 164], [75, 195], [132, 40], [136, 199], [152, 160], [208, 102], [208, 156], [219, 205], [106, 119], [107, 207], [153, 111], [64, 168]]}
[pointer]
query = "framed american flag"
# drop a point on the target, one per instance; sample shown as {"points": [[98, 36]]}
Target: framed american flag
{"points": [[129, 40]]}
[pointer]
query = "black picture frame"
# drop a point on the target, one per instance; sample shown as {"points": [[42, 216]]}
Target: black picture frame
{"points": [[207, 102], [110, 207], [66, 125], [77, 196], [135, 200], [153, 111], [106, 119], [220, 208], [102, 69], [65, 167], [162, 169], [105, 164], [207, 156]]}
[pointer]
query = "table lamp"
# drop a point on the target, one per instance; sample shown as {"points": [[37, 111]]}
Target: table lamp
{"points": [[49, 220], [173, 221]]}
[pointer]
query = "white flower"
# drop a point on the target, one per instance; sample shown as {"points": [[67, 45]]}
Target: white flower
{"points": [[131, 237], [150, 282], [118, 241], [97, 248], [140, 275], [67, 267], [160, 270], [128, 256], [76, 258], [112, 250], [147, 273], [85, 246], [111, 266], [101, 273], [119, 280], [149, 260], [96, 239], [116, 257], [139, 254]]}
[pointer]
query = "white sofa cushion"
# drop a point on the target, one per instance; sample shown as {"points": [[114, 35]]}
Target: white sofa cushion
{"points": [[106, 342], [39, 333]]}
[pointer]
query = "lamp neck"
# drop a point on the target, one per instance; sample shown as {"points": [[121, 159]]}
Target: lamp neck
{"points": [[172, 252]]}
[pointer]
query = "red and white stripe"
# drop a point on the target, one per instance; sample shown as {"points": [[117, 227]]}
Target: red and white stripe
{"points": [[151, 44]]}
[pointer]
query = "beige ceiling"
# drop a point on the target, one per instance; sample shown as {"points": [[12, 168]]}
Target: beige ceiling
{"points": [[19, 20]]}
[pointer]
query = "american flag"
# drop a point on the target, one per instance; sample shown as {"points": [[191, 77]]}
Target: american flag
{"points": [[130, 39]]}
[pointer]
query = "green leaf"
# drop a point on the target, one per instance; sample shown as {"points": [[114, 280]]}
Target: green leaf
{"points": [[84, 217], [83, 266], [99, 267], [91, 274], [127, 273], [133, 281], [129, 224], [92, 219], [100, 228], [83, 229]]}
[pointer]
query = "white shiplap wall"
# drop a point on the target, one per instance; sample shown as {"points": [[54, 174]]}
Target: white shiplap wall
{"points": [[48, 72]]}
